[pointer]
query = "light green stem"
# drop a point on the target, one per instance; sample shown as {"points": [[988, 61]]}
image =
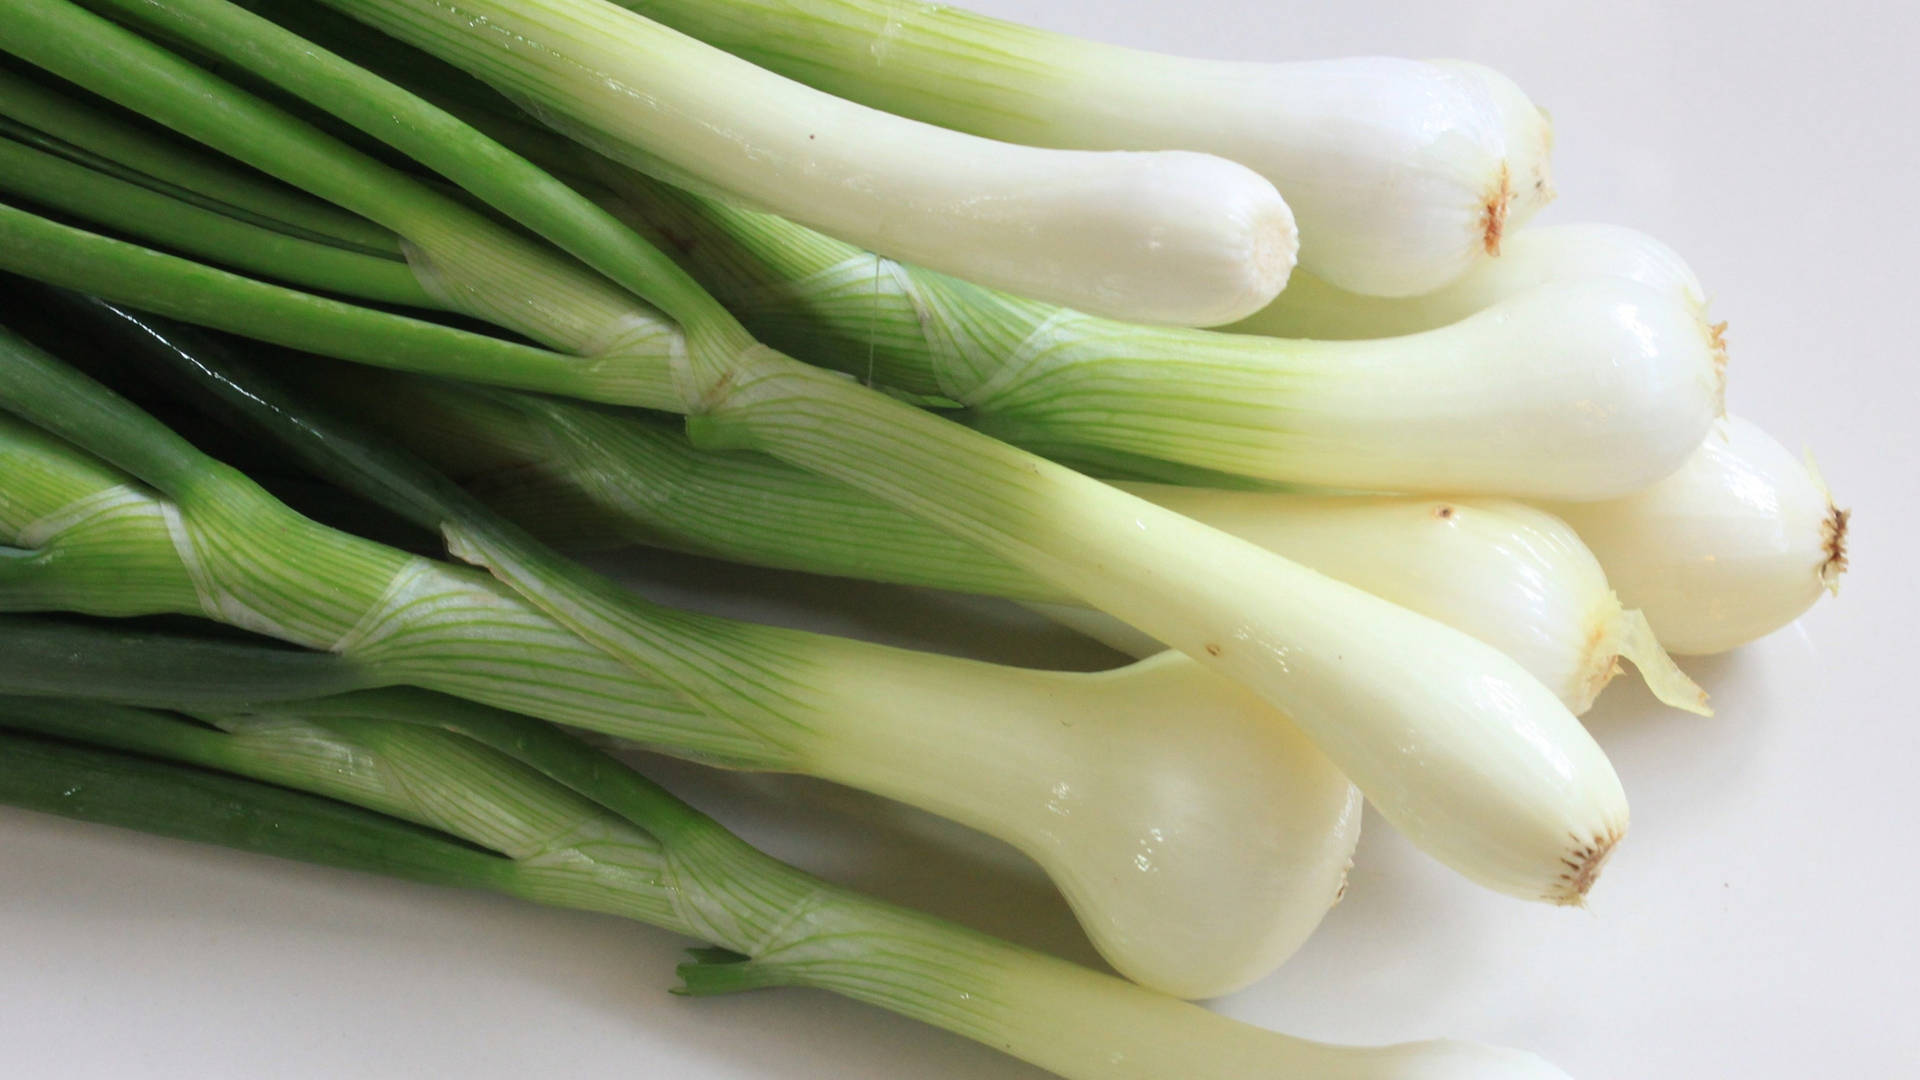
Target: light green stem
{"points": [[182, 289], [472, 263], [185, 173], [96, 543], [183, 226], [445, 144]]}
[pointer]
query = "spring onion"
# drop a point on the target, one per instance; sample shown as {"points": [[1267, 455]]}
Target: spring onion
{"points": [[1080, 771], [1402, 173], [1510, 789], [1169, 236], [560, 824], [1738, 543]]}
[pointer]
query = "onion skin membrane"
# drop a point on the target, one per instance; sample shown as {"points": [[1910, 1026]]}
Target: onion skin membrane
{"points": [[1513, 576], [1736, 544]]}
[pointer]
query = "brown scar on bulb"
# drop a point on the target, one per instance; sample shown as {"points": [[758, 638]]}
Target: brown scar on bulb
{"points": [[1493, 216]]}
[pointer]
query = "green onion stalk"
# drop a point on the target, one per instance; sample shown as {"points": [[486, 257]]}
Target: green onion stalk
{"points": [[128, 151], [438, 790], [1510, 788], [60, 183], [1248, 828], [469, 262]]}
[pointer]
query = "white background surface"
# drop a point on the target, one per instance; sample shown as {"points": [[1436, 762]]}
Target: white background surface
{"points": [[1759, 922]]}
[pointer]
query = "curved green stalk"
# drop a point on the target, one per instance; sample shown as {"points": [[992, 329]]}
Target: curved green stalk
{"points": [[150, 215], [577, 475], [394, 752], [169, 168]]}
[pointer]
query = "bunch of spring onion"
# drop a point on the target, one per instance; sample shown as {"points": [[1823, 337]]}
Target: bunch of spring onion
{"points": [[1384, 534]]}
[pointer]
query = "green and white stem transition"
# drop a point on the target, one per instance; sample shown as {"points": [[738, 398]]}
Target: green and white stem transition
{"points": [[1170, 236], [1509, 788], [1509, 575], [1091, 357], [1198, 835], [582, 831], [1402, 174], [1585, 388], [1737, 544]]}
